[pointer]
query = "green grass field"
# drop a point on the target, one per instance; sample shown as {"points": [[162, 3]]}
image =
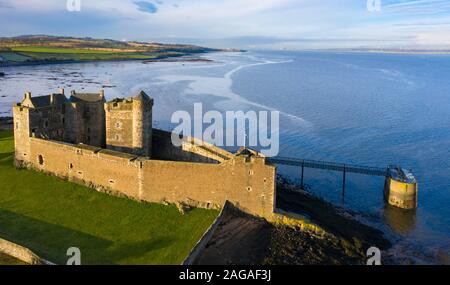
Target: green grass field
{"points": [[86, 56], [49, 215], [43, 53], [45, 49]]}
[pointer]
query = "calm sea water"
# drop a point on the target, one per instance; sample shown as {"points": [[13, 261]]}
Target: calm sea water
{"points": [[370, 109]]}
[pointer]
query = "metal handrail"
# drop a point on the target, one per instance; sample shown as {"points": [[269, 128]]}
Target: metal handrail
{"points": [[374, 171]]}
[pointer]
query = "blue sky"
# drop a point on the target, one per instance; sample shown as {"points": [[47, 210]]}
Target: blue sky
{"points": [[291, 24]]}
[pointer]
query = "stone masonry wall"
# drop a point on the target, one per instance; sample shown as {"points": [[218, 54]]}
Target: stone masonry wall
{"points": [[21, 253], [247, 182], [22, 133], [119, 126], [163, 149], [129, 126]]}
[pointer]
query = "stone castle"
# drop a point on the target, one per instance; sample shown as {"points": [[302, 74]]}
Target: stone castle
{"points": [[113, 147]]}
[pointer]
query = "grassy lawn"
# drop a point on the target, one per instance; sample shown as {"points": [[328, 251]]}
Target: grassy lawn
{"points": [[49, 215]]}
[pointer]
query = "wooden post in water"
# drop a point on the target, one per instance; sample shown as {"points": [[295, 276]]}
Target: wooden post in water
{"points": [[303, 169], [343, 185]]}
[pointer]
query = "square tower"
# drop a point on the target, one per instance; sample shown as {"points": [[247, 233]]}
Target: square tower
{"points": [[40, 116], [85, 118], [129, 124]]}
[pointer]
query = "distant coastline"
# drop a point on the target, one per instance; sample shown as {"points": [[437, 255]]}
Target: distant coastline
{"points": [[383, 51], [179, 58], [43, 49], [393, 51]]}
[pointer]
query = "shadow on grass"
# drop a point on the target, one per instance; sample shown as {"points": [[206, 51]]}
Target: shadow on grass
{"points": [[51, 241], [48, 240], [136, 249], [5, 135], [6, 155]]}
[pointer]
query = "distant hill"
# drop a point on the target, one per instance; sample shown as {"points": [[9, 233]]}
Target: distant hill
{"points": [[31, 49]]}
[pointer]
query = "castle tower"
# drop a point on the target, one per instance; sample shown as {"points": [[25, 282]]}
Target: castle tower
{"points": [[22, 129], [38, 116], [85, 118], [129, 124]]}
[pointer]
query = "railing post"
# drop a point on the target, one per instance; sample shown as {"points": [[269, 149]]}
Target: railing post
{"points": [[303, 169], [343, 185]]}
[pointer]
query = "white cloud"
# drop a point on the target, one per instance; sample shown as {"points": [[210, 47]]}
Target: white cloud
{"points": [[290, 19], [434, 38], [194, 8]]}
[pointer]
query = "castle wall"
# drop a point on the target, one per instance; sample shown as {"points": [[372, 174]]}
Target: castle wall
{"points": [[88, 165], [249, 185], [163, 149], [246, 182]]}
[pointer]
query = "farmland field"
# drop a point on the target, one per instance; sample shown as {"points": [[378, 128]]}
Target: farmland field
{"points": [[44, 49]]}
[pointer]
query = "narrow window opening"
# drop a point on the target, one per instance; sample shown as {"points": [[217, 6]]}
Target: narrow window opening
{"points": [[40, 160]]}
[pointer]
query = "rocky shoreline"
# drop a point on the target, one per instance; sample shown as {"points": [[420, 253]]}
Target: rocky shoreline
{"points": [[244, 239], [179, 59], [173, 58]]}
